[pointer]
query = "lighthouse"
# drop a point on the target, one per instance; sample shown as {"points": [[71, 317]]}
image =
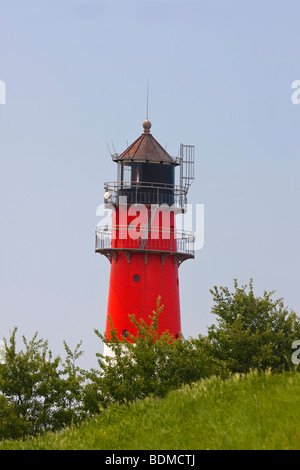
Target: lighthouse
{"points": [[143, 245]]}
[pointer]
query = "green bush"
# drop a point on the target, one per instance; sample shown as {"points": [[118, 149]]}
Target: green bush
{"points": [[252, 332], [146, 364], [38, 392]]}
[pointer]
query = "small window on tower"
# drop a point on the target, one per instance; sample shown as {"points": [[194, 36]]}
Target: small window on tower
{"points": [[137, 175], [136, 278], [127, 173], [125, 333]]}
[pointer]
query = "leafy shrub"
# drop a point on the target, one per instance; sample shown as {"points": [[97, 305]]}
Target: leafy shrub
{"points": [[147, 363], [252, 332], [38, 392]]}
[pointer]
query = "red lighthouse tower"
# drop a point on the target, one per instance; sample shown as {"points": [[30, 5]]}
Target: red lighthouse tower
{"points": [[143, 245]]}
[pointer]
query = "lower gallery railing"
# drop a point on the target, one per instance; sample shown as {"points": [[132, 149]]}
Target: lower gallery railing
{"points": [[169, 241]]}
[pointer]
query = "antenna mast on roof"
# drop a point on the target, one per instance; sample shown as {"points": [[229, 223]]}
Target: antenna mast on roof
{"points": [[147, 99], [113, 155]]}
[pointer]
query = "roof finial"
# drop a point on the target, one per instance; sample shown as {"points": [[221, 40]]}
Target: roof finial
{"points": [[147, 123]]}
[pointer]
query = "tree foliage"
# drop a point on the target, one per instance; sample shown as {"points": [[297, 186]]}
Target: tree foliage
{"points": [[252, 332], [147, 363], [39, 392]]}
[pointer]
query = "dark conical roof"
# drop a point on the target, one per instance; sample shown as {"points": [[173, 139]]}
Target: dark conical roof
{"points": [[146, 148]]}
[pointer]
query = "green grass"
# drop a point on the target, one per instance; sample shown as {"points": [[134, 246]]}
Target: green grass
{"points": [[249, 412]]}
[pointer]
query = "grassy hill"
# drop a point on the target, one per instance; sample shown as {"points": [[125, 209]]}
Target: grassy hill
{"points": [[248, 412]]}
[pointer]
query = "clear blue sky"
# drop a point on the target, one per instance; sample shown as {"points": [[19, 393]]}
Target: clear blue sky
{"points": [[76, 71]]}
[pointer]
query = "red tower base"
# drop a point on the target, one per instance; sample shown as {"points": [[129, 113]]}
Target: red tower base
{"points": [[136, 282]]}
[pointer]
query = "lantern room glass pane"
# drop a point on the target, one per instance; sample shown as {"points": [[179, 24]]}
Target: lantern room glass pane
{"points": [[127, 173]]}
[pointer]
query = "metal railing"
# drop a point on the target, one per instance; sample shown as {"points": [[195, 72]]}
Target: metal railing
{"points": [[166, 240], [147, 193]]}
